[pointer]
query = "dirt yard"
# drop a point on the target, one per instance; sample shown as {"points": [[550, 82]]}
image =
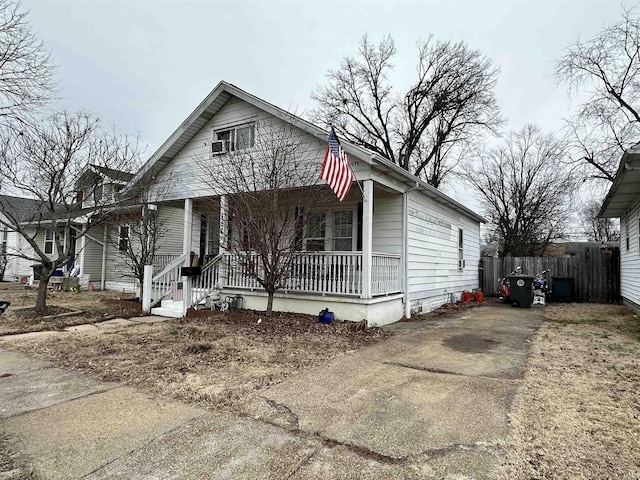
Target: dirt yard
{"points": [[217, 360], [90, 307], [577, 414]]}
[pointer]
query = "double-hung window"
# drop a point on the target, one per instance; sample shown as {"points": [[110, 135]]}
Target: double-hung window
{"points": [[343, 231], [316, 232], [123, 238], [48, 241], [3, 243], [460, 249], [332, 230], [237, 138]]}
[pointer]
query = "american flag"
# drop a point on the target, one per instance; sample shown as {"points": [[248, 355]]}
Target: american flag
{"points": [[336, 169]]}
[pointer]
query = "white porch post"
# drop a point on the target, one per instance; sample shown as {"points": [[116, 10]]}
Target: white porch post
{"points": [[83, 245], [186, 250], [224, 225], [103, 270], [146, 288], [367, 236], [223, 236]]}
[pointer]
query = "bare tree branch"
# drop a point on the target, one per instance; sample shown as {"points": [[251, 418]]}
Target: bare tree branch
{"points": [[26, 68], [608, 122], [524, 191], [47, 163], [450, 104]]}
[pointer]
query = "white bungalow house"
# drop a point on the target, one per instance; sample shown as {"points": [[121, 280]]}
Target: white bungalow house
{"points": [[623, 202], [394, 247], [408, 247]]}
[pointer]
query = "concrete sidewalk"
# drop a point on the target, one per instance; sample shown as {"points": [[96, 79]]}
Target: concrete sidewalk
{"points": [[430, 402]]}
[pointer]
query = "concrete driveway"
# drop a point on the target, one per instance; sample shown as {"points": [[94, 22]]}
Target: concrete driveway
{"points": [[432, 401]]}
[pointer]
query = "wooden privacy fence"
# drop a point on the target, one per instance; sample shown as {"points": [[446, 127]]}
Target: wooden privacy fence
{"points": [[595, 272]]}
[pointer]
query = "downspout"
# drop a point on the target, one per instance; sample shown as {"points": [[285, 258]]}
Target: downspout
{"points": [[103, 273], [405, 234]]}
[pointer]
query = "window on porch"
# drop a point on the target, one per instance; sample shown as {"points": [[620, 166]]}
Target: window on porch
{"points": [[333, 230]]}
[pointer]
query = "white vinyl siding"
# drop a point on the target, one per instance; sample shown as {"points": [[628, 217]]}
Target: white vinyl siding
{"points": [[387, 223], [117, 269], [172, 220], [185, 177], [630, 257], [93, 256], [433, 250]]}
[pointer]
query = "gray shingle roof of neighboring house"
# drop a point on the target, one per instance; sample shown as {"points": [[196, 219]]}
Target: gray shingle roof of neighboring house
{"points": [[22, 209]]}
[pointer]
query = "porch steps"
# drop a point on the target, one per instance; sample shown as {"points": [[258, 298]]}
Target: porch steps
{"points": [[169, 308]]}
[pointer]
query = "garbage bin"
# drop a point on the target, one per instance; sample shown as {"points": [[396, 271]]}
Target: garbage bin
{"points": [[37, 271], [521, 290], [562, 289]]}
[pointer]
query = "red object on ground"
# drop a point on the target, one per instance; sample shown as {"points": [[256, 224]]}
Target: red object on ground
{"points": [[466, 297], [478, 297]]}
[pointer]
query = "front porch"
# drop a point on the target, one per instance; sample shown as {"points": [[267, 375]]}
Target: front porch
{"points": [[314, 279], [345, 253]]}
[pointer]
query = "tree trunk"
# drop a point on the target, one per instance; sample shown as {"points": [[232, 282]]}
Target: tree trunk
{"points": [[41, 301], [269, 304]]}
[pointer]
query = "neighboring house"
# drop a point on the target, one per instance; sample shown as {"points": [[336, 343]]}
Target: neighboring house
{"points": [[97, 261], [623, 202], [12, 245], [571, 249], [412, 251]]}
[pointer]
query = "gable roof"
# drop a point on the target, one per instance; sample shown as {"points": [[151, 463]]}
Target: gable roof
{"points": [[92, 172], [22, 209], [626, 185], [224, 91]]}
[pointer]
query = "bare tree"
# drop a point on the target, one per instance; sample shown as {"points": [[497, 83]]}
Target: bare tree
{"points": [[606, 67], [26, 68], [272, 188], [525, 191], [43, 162], [143, 233], [598, 229], [428, 128]]}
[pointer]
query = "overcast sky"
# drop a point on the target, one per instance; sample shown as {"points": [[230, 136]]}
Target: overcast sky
{"points": [[144, 65]]}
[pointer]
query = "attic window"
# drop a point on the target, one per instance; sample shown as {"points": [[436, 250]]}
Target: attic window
{"points": [[97, 193], [237, 138]]}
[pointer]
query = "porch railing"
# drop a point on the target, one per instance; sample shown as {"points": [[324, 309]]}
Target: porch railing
{"points": [[168, 282], [207, 281], [385, 274], [335, 273], [160, 261], [338, 273]]}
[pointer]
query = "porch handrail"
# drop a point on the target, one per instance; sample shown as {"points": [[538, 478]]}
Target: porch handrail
{"points": [[207, 281], [161, 260], [165, 282]]}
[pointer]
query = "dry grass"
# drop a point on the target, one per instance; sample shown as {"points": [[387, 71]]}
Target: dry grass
{"points": [[95, 307], [577, 413], [14, 465], [216, 362]]}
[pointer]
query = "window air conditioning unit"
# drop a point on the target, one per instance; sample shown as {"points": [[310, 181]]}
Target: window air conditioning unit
{"points": [[461, 264], [218, 147]]}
